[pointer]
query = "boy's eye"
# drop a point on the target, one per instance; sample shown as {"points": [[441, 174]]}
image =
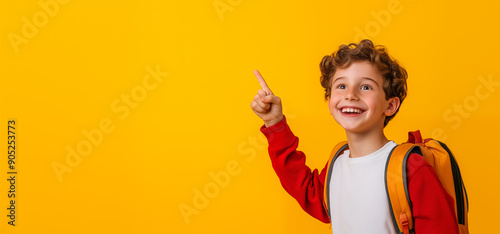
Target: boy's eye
{"points": [[341, 86], [366, 87]]}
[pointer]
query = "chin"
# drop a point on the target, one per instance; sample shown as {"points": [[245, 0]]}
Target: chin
{"points": [[354, 127], [347, 126], [353, 130], [350, 128]]}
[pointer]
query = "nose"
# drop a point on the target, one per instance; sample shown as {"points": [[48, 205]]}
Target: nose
{"points": [[351, 94]]}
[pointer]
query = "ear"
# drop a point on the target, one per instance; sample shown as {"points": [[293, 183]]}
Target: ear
{"points": [[392, 106]]}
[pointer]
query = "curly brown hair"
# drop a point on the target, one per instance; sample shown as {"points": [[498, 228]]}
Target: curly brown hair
{"points": [[394, 75]]}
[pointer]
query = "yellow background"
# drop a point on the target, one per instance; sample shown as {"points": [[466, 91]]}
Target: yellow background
{"points": [[198, 121]]}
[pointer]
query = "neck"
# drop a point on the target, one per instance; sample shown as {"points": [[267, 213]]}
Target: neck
{"points": [[361, 144]]}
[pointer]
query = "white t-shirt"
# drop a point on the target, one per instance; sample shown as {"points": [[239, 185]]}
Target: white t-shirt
{"points": [[358, 198]]}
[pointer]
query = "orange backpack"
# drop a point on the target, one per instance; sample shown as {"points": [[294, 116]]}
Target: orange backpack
{"points": [[437, 155]]}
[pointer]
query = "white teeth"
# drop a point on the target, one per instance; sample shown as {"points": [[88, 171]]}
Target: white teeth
{"points": [[351, 110]]}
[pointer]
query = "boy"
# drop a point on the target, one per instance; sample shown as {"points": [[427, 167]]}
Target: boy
{"points": [[364, 88]]}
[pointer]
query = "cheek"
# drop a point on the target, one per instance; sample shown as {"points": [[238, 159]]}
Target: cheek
{"points": [[377, 104], [332, 104]]}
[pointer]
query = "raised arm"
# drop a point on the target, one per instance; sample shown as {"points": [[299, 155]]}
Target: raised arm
{"points": [[297, 179]]}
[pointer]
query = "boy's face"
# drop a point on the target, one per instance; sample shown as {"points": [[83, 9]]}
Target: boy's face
{"points": [[357, 100]]}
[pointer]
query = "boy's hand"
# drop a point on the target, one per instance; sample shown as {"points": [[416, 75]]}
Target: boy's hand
{"points": [[265, 104]]}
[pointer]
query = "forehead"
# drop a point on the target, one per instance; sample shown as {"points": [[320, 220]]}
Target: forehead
{"points": [[359, 70]]}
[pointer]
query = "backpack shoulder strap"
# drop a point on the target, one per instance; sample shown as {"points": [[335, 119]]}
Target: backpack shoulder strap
{"points": [[337, 150], [397, 187]]}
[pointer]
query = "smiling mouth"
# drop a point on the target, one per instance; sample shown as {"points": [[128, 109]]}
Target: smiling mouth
{"points": [[351, 111]]}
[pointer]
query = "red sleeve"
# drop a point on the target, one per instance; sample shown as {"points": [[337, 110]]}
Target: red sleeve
{"points": [[297, 179], [433, 207]]}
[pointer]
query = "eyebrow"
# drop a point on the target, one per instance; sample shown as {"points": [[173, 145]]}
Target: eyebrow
{"points": [[368, 78], [364, 77]]}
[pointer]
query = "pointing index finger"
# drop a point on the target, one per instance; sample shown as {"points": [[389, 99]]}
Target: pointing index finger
{"points": [[262, 82]]}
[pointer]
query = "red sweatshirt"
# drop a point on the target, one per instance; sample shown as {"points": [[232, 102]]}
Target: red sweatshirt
{"points": [[433, 208]]}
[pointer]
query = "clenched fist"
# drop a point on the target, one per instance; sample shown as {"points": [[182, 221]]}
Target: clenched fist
{"points": [[265, 104]]}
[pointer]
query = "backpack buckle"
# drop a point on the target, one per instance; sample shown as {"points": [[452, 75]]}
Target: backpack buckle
{"points": [[404, 221]]}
